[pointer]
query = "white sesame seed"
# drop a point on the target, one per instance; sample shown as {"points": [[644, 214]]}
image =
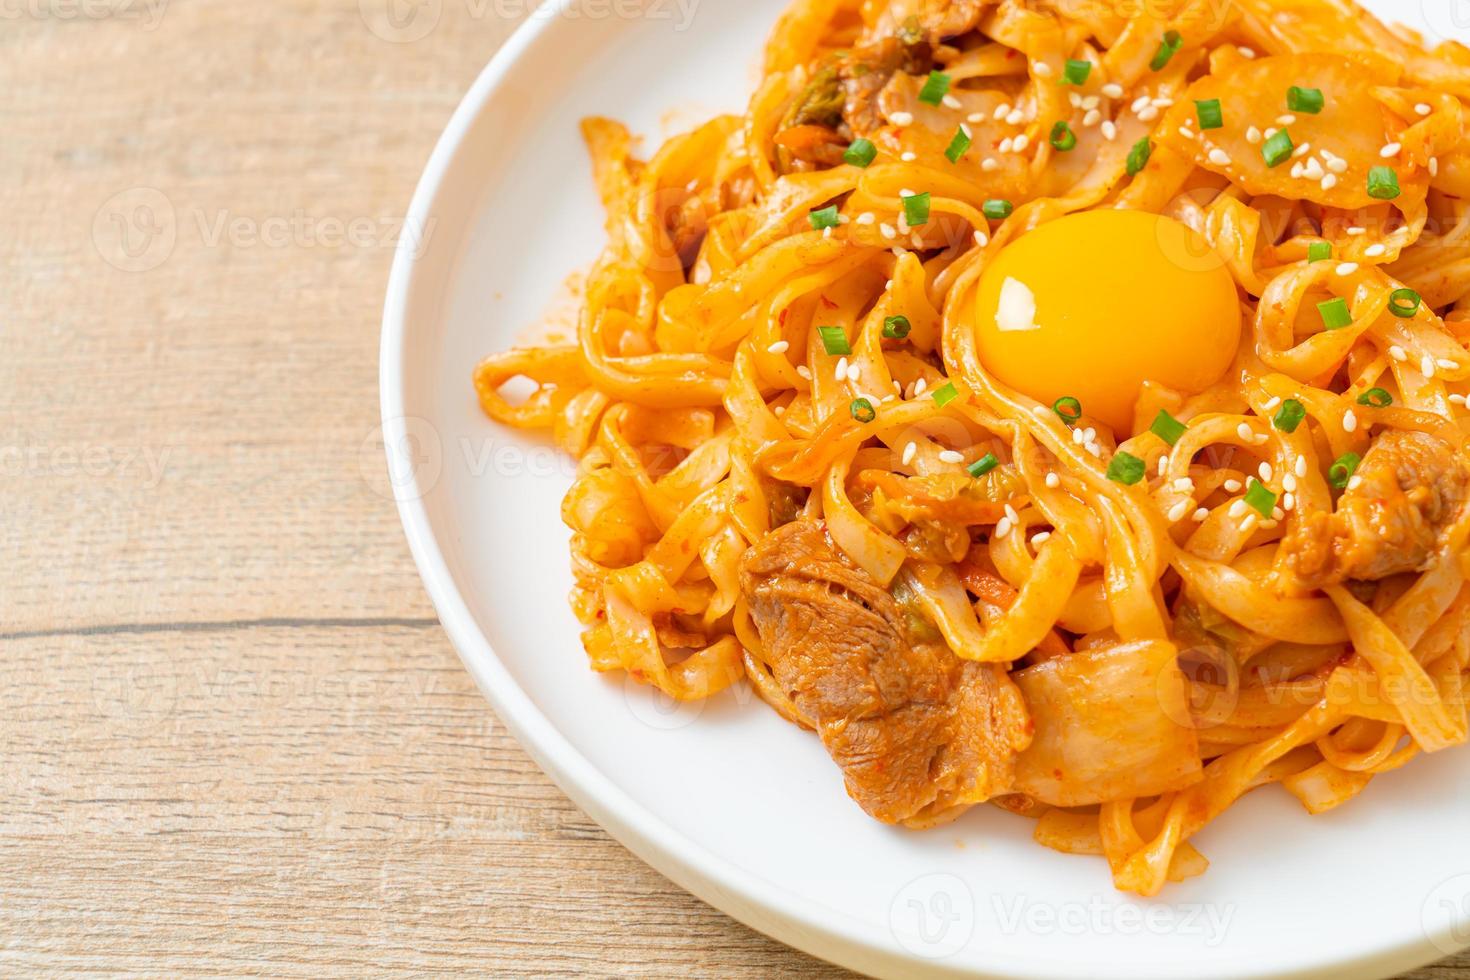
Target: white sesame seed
{"points": [[1244, 431], [1042, 69], [1005, 145], [1092, 118], [1434, 166], [1302, 150], [1273, 404], [1231, 486], [1040, 538], [1185, 132], [889, 398], [1288, 501], [841, 369], [827, 232], [1021, 143], [1201, 514], [866, 218], [1091, 102], [1329, 181], [1139, 103], [1390, 150], [1398, 353], [779, 347], [1286, 119], [1236, 509], [1357, 230], [1163, 465], [804, 371], [950, 102], [1109, 130], [1113, 90], [1148, 114], [887, 230], [1264, 471], [1177, 512], [905, 192], [1349, 421], [779, 411], [1079, 436], [1424, 108], [1288, 482], [1249, 524], [1336, 164], [908, 156], [1347, 268], [1375, 250], [982, 239], [1457, 399], [1162, 102], [1313, 170], [1219, 157], [1301, 467], [919, 386], [950, 456], [1015, 117], [1002, 528], [1426, 366], [1271, 131], [901, 118], [1298, 170], [903, 226], [1053, 481], [1247, 53], [965, 128], [1184, 485], [1253, 135], [1094, 448], [1041, 412], [1355, 482], [990, 164], [1089, 433], [1001, 111], [1277, 514], [1445, 364], [1011, 513], [1075, 99], [975, 117], [917, 239]]}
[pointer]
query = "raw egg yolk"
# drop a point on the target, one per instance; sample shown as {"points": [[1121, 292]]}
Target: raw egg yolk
{"points": [[1094, 304]]}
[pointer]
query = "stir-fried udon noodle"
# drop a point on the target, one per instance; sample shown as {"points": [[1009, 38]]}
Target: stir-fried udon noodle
{"points": [[1053, 404]]}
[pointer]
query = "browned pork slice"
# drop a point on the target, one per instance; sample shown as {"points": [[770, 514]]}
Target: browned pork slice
{"points": [[914, 729], [1412, 487]]}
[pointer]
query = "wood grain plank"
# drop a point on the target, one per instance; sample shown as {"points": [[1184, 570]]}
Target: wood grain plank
{"points": [[233, 739]]}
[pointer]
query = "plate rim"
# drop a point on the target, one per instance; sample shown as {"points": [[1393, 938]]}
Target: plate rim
{"points": [[765, 906]]}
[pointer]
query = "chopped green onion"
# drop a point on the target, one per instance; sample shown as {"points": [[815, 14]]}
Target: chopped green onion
{"points": [[1309, 100], [896, 327], [861, 153], [936, 87], [1342, 470], [1062, 136], [862, 410], [916, 209], [834, 341], [958, 145], [983, 465], [1277, 150], [1404, 303], [1335, 313], [997, 210], [1319, 252], [1289, 415], [1383, 183], [1076, 72], [1168, 47], [1209, 113], [825, 218], [945, 394], [1375, 398], [1125, 468], [1138, 156], [1258, 497], [1167, 427], [1069, 408]]}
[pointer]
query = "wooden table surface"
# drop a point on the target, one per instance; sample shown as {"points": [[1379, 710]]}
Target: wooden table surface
{"points": [[233, 738]]}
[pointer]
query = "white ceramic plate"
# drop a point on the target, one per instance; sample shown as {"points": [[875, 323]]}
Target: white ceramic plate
{"points": [[726, 799]]}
